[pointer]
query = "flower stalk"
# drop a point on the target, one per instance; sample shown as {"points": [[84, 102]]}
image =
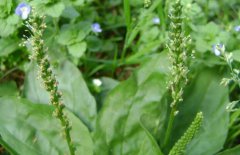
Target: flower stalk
{"points": [[37, 26], [178, 48]]}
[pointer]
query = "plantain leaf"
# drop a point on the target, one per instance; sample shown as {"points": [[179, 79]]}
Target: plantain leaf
{"points": [[30, 129], [46, 7], [152, 141], [7, 46], [8, 89], [204, 94], [144, 97], [76, 95], [77, 49], [55, 10], [233, 151], [119, 129]]}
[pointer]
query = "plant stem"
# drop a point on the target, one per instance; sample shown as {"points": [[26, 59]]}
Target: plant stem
{"points": [[169, 126]]}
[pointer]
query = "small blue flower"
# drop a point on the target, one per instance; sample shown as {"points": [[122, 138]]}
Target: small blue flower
{"points": [[23, 10], [237, 28], [218, 48], [156, 20], [96, 28]]}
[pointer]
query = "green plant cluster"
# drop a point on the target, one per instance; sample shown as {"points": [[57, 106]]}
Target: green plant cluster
{"points": [[112, 77]]}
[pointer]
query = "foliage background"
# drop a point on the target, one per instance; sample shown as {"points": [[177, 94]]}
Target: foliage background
{"points": [[133, 69]]}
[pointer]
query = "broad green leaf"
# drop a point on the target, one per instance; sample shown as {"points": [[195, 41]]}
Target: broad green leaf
{"points": [[202, 45], [8, 24], [13, 19], [7, 147], [152, 141], [204, 94], [236, 55], [77, 2], [119, 129], [107, 85], [70, 12], [39, 2], [5, 7], [8, 89], [210, 30], [77, 49], [94, 43], [6, 29], [207, 35], [31, 129], [55, 10], [71, 34], [233, 151], [150, 34], [76, 95], [224, 37], [66, 37], [48, 8], [7, 46]]}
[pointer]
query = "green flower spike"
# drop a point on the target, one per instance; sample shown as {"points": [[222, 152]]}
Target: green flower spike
{"points": [[178, 46], [37, 26], [180, 145]]}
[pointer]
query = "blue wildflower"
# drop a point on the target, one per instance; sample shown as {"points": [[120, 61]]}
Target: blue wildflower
{"points": [[23, 10], [96, 28], [237, 28], [156, 20], [218, 48]]}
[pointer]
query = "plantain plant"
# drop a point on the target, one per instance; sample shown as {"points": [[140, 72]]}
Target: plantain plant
{"points": [[164, 107]]}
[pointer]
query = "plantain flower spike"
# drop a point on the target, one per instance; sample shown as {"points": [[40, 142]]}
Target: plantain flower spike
{"points": [[180, 145]]}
